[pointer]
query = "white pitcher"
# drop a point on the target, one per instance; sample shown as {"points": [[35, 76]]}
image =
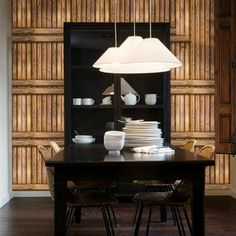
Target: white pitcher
{"points": [[130, 98]]}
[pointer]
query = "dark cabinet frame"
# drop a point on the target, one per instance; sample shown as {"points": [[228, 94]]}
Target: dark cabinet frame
{"points": [[84, 37]]}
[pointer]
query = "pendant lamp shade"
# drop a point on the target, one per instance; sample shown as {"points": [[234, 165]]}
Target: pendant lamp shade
{"points": [[154, 51], [135, 68], [149, 56], [111, 56], [131, 42]]}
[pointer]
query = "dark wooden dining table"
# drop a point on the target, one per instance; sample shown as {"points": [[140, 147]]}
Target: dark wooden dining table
{"points": [[92, 162]]}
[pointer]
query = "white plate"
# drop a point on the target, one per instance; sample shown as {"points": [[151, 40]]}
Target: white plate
{"points": [[140, 135], [144, 139], [138, 144], [83, 141], [143, 122]]}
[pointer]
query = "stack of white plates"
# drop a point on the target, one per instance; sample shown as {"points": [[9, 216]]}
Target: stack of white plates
{"points": [[142, 133]]}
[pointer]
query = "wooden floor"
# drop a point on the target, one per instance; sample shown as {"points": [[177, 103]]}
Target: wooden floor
{"points": [[34, 216]]}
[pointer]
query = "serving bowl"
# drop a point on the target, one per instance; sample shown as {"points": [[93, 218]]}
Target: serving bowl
{"points": [[114, 135], [114, 147]]}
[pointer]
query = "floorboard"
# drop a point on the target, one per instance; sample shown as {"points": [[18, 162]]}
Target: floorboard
{"points": [[34, 216]]}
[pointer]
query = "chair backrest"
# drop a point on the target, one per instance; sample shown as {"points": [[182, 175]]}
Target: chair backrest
{"points": [[50, 172], [55, 147], [189, 145], [207, 151], [182, 192]]}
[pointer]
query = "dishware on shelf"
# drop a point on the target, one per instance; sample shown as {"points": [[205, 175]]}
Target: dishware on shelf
{"points": [[106, 100], [87, 101], [77, 101], [130, 99], [150, 99]]}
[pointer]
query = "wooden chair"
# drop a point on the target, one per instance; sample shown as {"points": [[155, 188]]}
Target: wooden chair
{"points": [[207, 151], [50, 171], [176, 198], [102, 200], [83, 185], [189, 145], [55, 147]]}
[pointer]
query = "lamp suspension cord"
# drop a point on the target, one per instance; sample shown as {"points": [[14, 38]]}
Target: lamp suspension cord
{"points": [[134, 8], [115, 26], [150, 18]]}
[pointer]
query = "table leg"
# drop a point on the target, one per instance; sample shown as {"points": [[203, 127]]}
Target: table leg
{"points": [[198, 218], [60, 208], [163, 213]]}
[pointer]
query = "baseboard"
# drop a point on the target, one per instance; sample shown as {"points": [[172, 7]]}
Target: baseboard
{"points": [[5, 199], [233, 193], [217, 190], [31, 194]]}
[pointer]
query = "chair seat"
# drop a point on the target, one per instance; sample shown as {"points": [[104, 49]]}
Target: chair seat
{"points": [[85, 199], [152, 197], [151, 183]]}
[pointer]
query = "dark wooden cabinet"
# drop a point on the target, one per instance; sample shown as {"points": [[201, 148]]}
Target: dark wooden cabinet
{"points": [[225, 72], [84, 43]]}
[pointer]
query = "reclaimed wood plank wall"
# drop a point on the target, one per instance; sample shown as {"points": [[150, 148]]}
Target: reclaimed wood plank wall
{"points": [[37, 86]]}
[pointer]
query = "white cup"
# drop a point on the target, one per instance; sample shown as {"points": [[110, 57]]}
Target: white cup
{"points": [[106, 100], [87, 101], [150, 99], [77, 101]]}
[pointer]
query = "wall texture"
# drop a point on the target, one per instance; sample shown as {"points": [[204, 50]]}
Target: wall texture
{"points": [[38, 75]]}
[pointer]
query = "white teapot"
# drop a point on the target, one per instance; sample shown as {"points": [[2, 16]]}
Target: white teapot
{"points": [[130, 98]]}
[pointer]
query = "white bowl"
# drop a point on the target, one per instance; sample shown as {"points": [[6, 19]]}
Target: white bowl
{"points": [[83, 136], [114, 135], [112, 138], [114, 145], [83, 141]]}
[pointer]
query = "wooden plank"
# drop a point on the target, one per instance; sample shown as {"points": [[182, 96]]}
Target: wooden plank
{"points": [[32, 187], [189, 90], [37, 83], [192, 134], [36, 135], [193, 83], [37, 90]]}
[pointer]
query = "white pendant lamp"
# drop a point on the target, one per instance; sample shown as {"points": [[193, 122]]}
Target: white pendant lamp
{"points": [[113, 55], [149, 56]]}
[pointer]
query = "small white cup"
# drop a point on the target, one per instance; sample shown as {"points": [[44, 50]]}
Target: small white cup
{"points": [[87, 101], [77, 101], [106, 100], [150, 99]]}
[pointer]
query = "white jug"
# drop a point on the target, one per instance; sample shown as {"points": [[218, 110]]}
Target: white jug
{"points": [[130, 98]]}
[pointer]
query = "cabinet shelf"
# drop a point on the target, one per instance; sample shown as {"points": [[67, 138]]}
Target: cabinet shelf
{"points": [[74, 67], [84, 43], [142, 106]]}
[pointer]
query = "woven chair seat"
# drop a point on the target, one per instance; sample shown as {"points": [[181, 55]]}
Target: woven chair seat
{"points": [[85, 199], [152, 198], [152, 183]]}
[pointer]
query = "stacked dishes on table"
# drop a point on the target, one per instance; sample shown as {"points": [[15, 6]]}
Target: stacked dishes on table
{"points": [[142, 133]]}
